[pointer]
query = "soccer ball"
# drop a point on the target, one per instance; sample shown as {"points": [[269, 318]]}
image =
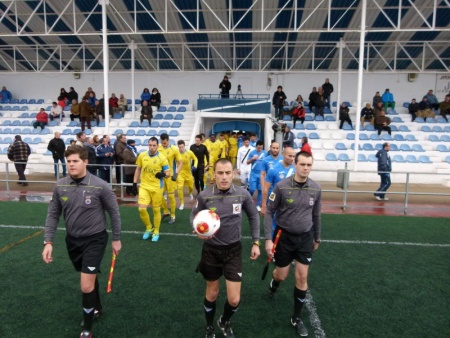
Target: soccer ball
{"points": [[206, 223]]}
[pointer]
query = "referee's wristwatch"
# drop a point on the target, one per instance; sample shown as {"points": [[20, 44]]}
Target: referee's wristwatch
{"points": [[317, 241], [256, 243], [45, 243]]}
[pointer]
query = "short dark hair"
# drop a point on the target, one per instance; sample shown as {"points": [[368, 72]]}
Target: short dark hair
{"points": [[386, 144], [246, 138], [259, 143], [72, 150], [181, 142], [153, 138], [222, 161], [79, 134], [164, 137], [302, 153], [199, 136]]}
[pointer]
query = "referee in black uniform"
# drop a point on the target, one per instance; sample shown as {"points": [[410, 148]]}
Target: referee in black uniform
{"points": [[83, 199], [201, 152], [222, 253], [297, 203]]}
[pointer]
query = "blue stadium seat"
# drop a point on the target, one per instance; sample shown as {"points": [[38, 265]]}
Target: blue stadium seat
{"points": [[370, 127], [378, 146], [419, 120], [52, 123], [442, 148], [26, 131], [397, 119], [179, 117], [424, 159], [27, 140], [168, 117], [17, 131], [340, 146], [425, 129], [447, 159], [300, 135], [394, 147], [46, 131], [444, 138], [362, 158], [137, 142], [368, 146], [155, 124], [7, 108], [37, 140], [151, 132], [175, 102], [330, 118], [162, 131], [8, 140], [40, 101], [14, 101], [309, 118], [173, 133], [363, 137], [118, 131], [129, 108], [144, 124], [31, 101], [134, 124], [16, 108], [24, 116], [15, 123], [314, 136], [417, 148], [310, 126], [73, 124], [410, 137], [403, 128], [433, 138], [307, 110], [437, 129], [141, 132], [117, 116], [176, 124], [375, 137], [129, 101], [393, 127], [131, 132], [411, 159], [7, 131], [318, 118], [33, 115], [392, 112], [398, 137], [287, 118], [346, 126], [348, 104], [430, 120], [398, 158], [88, 131], [372, 158], [343, 157], [172, 109], [405, 104], [441, 120], [405, 147], [447, 129], [162, 109], [350, 136], [165, 124], [386, 137], [331, 157], [184, 102], [137, 101], [181, 109], [23, 101], [158, 117]]}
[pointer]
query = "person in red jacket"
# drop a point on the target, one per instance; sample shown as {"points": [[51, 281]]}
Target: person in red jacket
{"points": [[305, 146], [113, 104], [299, 113], [41, 119]]}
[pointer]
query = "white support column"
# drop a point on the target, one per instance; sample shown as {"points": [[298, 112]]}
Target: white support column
{"points": [[341, 46], [360, 81], [104, 3], [132, 47]]}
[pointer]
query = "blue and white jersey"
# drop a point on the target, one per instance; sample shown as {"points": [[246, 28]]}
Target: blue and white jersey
{"points": [[258, 164], [278, 173], [269, 162]]}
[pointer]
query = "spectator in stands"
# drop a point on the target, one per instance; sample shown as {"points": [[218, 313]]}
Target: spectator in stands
{"points": [[85, 113], [344, 115], [122, 104], [119, 147], [384, 170], [278, 102], [312, 98], [113, 104], [145, 96], [295, 103], [288, 137], [444, 107], [99, 112], [56, 112], [5, 95], [96, 140], [319, 103], [225, 87], [388, 99], [92, 155], [18, 152], [155, 99], [61, 102], [74, 110], [57, 147], [299, 113], [81, 139], [105, 158], [72, 143], [92, 99], [72, 94], [413, 108], [367, 114], [130, 155], [327, 90], [64, 96], [382, 122], [146, 112], [88, 92], [305, 146], [377, 109], [432, 99], [41, 119], [377, 99], [425, 109]]}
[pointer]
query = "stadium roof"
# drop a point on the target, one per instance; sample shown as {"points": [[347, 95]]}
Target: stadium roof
{"points": [[224, 35]]}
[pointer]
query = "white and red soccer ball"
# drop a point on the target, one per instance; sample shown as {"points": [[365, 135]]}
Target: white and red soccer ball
{"points": [[206, 223]]}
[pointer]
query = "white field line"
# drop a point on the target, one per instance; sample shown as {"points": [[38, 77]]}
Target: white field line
{"points": [[335, 241], [314, 316]]}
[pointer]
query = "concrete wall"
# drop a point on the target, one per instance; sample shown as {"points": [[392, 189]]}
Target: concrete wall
{"points": [[189, 85]]}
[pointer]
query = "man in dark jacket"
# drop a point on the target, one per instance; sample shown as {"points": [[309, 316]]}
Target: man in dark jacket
{"points": [[19, 152], [57, 147], [119, 147], [384, 170], [327, 88], [278, 102], [413, 108], [146, 112], [92, 155], [288, 138], [130, 155], [225, 87], [105, 157]]}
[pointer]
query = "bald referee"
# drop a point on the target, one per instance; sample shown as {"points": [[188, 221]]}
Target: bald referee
{"points": [[297, 203], [83, 199]]}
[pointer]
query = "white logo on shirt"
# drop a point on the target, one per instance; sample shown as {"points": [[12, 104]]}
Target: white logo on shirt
{"points": [[237, 209]]}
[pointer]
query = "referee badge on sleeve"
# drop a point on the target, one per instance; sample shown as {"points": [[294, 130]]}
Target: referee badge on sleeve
{"points": [[272, 197], [311, 201], [87, 200]]}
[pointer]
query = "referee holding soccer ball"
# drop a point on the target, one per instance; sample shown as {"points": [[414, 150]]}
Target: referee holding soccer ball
{"points": [[222, 253], [83, 199], [296, 200]]}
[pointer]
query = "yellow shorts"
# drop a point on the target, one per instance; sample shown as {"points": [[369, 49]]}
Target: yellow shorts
{"points": [[184, 180], [169, 185], [150, 196]]}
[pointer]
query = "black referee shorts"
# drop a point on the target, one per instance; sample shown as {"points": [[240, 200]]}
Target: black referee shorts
{"points": [[290, 247], [87, 253], [217, 261]]}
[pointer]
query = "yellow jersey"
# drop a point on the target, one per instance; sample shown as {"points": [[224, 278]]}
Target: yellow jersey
{"points": [[215, 149], [150, 165], [187, 157], [172, 153], [232, 150], [225, 147]]}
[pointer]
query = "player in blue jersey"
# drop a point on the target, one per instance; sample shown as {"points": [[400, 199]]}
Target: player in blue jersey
{"points": [[273, 157], [255, 159]]}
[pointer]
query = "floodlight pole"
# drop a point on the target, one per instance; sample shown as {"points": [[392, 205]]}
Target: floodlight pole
{"points": [[103, 3], [132, 47]]}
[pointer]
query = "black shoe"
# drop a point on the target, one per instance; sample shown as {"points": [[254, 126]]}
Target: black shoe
{"points": [[272, 288], [164, 216], [299, 327], [210, 332], [19, 183], [225, 328], [86, 334], [97, 313]]}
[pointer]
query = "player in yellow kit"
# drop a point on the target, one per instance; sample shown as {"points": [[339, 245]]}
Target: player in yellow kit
{"points": [[215, 149], [224, 141], [152, 167], [233, 148], [185, 177], [170, 185]]}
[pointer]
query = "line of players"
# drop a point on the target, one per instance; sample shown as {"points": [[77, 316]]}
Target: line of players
{"points": [[165, 168]]}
